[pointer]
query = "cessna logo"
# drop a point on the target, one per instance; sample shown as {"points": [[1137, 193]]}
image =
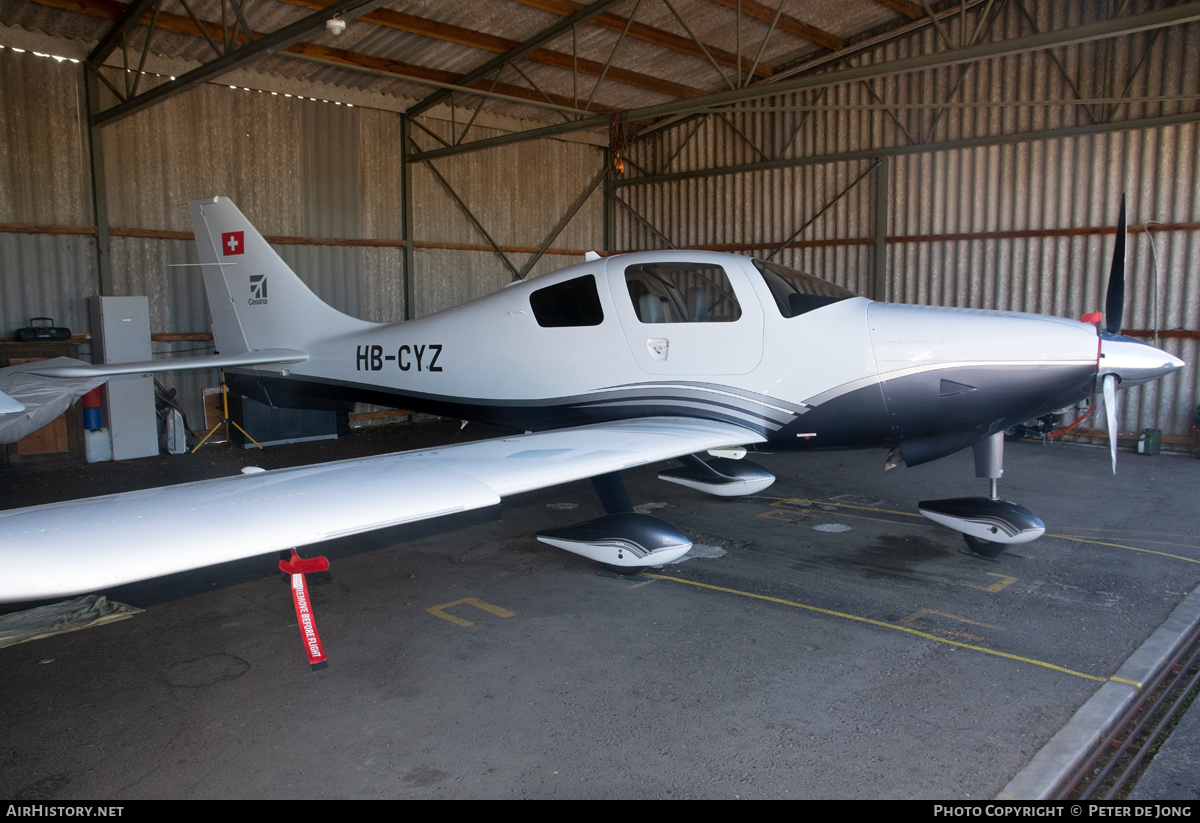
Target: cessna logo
{"points": [[258, 290]]}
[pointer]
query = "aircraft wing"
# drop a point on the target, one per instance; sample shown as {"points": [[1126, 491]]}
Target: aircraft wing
{"points": [[28, 401], [80, 546]]}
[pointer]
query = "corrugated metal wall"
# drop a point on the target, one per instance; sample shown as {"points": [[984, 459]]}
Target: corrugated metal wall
{"points": [[518, 193], [763, 209], [1072, 182], [302, 168], [44, 179], [297, 168], [1065, 183]]}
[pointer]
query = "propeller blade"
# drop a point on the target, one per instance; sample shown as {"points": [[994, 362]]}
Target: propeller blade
{"points": [[1114, 300], [1110, 410]]}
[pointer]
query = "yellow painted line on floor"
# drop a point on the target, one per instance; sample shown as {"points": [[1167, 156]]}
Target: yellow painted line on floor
{"points": [[912, 619], [782, 514], [1122, 546], [884, 625], [1003, 583], [1136, 533], [783, 501], [440, 611]]}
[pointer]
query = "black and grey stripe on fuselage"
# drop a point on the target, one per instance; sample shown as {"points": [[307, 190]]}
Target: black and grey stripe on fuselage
{"points": [[708, 401], [933, 411], [930, 412]]}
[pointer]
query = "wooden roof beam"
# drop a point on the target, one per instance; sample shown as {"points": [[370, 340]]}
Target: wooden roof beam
{"points": [[791, 25], [495, 65], [180, 24], [411, 71], [450, 33], [906, 7], [649, 34]]}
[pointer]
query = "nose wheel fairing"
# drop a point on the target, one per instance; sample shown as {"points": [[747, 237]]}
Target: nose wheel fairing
{"points": [[987, 524], [985, 519]]}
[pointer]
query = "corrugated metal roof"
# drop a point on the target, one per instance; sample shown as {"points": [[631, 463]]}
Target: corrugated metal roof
{"points": [[668, 52]]}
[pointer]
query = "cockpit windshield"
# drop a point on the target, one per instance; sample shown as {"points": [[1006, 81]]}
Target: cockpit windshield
{"points": [[796, 292]]}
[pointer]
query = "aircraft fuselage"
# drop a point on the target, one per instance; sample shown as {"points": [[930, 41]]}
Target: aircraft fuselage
{"points": [[709, 335]]}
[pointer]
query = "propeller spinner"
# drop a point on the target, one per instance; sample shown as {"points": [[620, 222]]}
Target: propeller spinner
{"points": [[1123, 360]]}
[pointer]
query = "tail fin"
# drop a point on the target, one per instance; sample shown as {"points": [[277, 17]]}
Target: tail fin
{"points": [[257, 301]]}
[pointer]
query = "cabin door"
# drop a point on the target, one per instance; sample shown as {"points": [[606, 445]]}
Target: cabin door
{"points": [[685, 316]]}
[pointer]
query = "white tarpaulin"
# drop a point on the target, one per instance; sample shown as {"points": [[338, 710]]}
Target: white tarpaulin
{"points": [[44, 398]]}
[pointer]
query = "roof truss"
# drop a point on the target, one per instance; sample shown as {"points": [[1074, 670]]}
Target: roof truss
{"points": [[239, 48], [531, 71]]}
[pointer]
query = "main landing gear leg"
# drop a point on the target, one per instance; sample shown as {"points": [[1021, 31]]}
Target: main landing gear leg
{"points": [[988, 524], [610, 488], [989, 465]]}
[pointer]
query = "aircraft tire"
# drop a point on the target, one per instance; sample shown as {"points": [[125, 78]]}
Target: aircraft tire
{"points": [[984, 548]]}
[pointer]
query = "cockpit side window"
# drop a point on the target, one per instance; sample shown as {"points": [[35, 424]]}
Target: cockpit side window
{"points": [[572, 302], [796, 292], [681, 293]]}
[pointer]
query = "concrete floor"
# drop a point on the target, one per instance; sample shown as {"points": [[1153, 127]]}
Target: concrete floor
{"points": [[829, 644]]}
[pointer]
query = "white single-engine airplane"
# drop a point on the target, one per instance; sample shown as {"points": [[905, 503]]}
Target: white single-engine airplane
{"points": [[608, 364]]}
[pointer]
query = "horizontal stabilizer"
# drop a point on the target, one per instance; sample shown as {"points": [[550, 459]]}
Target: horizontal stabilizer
{"points": [[261, 357]]}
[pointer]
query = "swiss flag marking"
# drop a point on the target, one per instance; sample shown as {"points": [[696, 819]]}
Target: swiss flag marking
{"points": [[233, 242]]}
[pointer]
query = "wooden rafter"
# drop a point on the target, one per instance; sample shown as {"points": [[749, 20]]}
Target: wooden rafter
{"points": [[490, 42], [908, 8], [179, 24], [649, 34], [787, 23]]}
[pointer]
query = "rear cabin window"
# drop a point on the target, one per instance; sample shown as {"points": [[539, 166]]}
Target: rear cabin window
{"points": [[681, 293], [796, 292], [570, 303]]}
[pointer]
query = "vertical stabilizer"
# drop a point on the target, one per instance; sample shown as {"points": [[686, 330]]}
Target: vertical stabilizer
{"points": [[256, 300]]}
